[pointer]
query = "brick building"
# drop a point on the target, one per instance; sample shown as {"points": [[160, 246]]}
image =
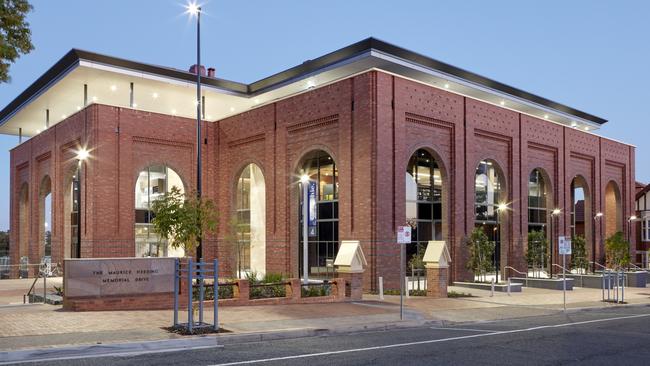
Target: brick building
{"points": [[387, 137]]}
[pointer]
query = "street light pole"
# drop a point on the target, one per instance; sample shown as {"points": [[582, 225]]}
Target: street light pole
{"points": [[82, 155], [599, 219], [194, 9], [501, 207], [554, 213]]}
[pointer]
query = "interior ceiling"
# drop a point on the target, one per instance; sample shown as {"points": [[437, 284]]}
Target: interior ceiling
{"points": [[110, 85]]}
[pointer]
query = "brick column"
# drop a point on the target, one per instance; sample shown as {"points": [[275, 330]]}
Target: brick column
{"points": [[437, 278], [353, 284], [243, 290]]}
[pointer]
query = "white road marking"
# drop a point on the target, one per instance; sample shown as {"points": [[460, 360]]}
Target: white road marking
{"points": [[467, 330], [397, 345]]}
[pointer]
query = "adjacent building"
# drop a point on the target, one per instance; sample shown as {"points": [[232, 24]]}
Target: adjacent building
{"points": [[388, 137]]}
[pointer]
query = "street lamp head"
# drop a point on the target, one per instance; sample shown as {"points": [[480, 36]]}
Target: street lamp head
{"points": [[502, 207], [556, 211], [599, 215], [304, 178], [193, 8], [82, 154], [633, 217]]}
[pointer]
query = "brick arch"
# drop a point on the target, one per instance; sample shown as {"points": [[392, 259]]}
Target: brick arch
{"points": [[302, 153], [613, 204]]}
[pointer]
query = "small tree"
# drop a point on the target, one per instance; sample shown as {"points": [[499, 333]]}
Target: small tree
{"points": [[536, 252], [481, 250], [183, 220], [579, 253], [617, 251]]}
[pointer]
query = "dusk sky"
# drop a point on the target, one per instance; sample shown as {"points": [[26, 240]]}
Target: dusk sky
{"points": [[591, 55]]}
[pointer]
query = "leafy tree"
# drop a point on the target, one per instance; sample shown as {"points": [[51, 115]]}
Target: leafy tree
{"points": [[15, 36], [4, 243], [579, 253], [480, 253], [183, 220], [537, 249], [617, 251]]}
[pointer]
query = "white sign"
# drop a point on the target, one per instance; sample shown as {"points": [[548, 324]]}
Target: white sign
{"points": [[403, 234], [564, 245]]}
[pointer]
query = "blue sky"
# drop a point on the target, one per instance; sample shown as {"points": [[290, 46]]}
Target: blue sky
{"points": [[589, 54]]}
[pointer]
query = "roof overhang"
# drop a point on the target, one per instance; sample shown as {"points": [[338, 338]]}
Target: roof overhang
{"points": [[82, 76]]}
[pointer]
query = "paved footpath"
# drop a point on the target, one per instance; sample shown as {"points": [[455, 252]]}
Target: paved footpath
{"points": [[40, 326]]}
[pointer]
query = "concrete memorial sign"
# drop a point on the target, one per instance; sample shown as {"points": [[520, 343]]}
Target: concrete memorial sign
{"points": [[118, 276]]}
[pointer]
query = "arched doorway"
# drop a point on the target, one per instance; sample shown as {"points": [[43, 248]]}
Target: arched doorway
{"points": [[613, 210], [250, 221], [424, 201], [71, 217], [489, 202], [45, 219], [323, 209], [152, 183]]}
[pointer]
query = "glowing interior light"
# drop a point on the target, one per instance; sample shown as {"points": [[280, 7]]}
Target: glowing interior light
{"points": [[38, 131], [446, 85], [173, 111], [546, 116], [154, 95], [586, 128], [135, 105], [232, 109], [256, 100], [94, 99], [113, 88], [503, 102], [78, 108]]}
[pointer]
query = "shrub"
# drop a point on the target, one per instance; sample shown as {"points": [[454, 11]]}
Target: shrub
{"points": [[272, 285]]}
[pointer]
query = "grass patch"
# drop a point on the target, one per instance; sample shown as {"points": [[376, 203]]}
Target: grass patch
{"points": [[454, 294]]}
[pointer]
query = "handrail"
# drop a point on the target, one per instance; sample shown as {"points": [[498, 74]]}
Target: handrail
{"points": [[32, 287], [559, 266], [635, 266], [599, 265], [523, 273]]}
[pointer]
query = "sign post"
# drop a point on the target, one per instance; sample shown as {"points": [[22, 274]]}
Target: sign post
{"points": [[564, 246], [403, 237]]}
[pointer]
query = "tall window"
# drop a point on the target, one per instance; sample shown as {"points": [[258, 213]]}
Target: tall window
{"points": [[536, 201], [45, 206], [423, 201], [250, 201], [577, 208], [152, 184], [488, 190], [645, 229], [324, 236]]}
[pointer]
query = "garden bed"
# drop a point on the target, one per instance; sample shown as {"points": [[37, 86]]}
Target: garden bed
{"points": [[547, 283], [498, 287]]}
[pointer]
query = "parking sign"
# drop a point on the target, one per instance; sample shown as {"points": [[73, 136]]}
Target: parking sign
{"points": [[403, 234], [564, 245]]}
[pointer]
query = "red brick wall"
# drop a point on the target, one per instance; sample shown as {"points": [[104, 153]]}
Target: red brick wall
{"points": [[370, 124]]}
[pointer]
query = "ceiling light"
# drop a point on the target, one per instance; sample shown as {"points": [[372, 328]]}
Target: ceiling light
{"points": [[232, 109], [78, 108], [586, 128], [446, 85], [257, 100], [196, 103], [503, 102], [135, 105], [209, 116], [154, 95], [63, 116], [94, 99], [113, 88], [546, 116], [173, 111], [38, 131], [574, 124], [310, 84]]}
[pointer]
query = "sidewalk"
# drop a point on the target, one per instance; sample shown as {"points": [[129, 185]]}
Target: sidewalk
{"points": [[39, 326]]}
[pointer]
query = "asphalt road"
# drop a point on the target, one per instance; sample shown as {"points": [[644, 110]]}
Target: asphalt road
{"points": [[618, 336]]}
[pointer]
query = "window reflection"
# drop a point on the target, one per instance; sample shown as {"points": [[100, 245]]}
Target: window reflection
{"points": [[536, 201]]}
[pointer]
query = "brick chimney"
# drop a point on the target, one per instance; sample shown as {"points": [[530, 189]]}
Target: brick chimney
{"points": [[211, 71], [194, 67]]}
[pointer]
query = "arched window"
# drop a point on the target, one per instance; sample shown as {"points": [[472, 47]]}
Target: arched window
{"points": [[324, 218], [537, 201], [23, 226], [423, 201], [250, 203], [578, 207], [613, 210], [152, 184]]}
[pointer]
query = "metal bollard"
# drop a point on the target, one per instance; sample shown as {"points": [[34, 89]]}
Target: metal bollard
{"points": [[215, 269], [508, 286], [623, 287], [406, 282], [381, 288], [603, 286], [44, 288], [190, 321], [492, 288]]}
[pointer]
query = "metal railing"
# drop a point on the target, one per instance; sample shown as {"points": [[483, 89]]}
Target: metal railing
{"points": [[45, 270], [520, 272]]}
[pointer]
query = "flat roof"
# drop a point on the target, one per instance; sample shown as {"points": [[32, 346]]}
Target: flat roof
{"points": [[60, 88]]}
